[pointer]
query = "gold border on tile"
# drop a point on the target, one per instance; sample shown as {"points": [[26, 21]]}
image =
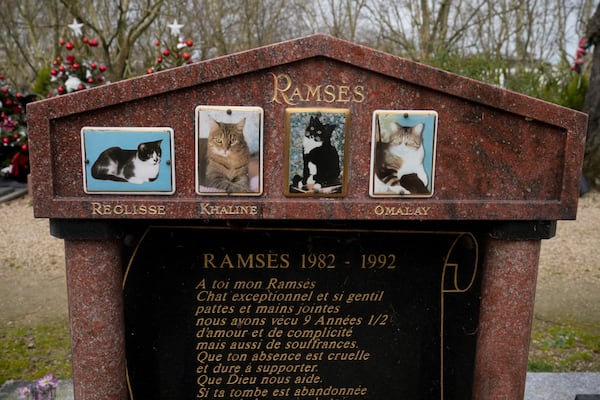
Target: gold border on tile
{"points": [[344, 166]]}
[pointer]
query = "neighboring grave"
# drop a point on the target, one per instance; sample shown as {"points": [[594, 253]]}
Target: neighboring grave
{"points": [[310, 219]]}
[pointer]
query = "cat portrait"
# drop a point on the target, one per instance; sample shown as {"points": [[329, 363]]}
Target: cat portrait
{"points": [[128, 160], [135, 166], [399, 156], [317, 143], [227, 163]]}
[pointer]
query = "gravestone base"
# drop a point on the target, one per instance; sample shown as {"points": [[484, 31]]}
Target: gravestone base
{"points": [[101, 270]]}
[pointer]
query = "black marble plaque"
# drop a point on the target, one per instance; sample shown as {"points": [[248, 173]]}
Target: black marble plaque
{"points": [[272, 313]]}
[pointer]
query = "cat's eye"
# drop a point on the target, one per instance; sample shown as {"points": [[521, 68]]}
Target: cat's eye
{"points": [[219, 140]]}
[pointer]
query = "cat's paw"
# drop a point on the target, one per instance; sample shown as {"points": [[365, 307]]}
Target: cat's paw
{"points": [[137, 181], [399, 189]]}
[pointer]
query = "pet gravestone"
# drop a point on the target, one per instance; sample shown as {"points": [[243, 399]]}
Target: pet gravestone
{"points": [[308, 219]]}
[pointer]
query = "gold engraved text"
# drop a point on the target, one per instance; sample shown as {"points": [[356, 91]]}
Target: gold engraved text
{"points": [[401, 211], [208, 209], [285, 91], [127, 209], [258, 260]]}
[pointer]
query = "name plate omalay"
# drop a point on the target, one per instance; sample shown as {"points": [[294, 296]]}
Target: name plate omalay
{"points": [[260, 313]]}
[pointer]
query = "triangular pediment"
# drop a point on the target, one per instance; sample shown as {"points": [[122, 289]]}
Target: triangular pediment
{"points": [[494, 154]]}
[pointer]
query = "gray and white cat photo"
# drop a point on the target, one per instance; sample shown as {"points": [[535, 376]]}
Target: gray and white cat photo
{"points": [[402, 154]]}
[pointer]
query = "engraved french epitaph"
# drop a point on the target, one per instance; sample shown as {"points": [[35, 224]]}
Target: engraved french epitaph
{"points": [[260, 313]]}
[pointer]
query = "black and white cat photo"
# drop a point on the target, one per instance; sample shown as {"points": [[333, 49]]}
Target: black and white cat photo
{"points": [[320, 160], [136, 166]]}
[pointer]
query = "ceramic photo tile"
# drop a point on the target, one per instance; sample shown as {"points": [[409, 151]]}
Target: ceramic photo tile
{"points": [[128, 160], [316, 151], [229, 151], [403, 153]]}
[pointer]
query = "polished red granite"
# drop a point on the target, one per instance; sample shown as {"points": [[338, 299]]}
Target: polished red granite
{"points": [[505, 318], [94, 285], [500, 155]]}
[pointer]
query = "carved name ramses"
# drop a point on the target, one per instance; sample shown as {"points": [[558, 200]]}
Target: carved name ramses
{"points": [[285, 91]]}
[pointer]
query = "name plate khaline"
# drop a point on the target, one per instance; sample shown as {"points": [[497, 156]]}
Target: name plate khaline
{"points": [[263, 313]]}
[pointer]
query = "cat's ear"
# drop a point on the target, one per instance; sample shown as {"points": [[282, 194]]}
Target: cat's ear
{"points": [[418, 129], [240, 125], [213, 122], [378, 129]]}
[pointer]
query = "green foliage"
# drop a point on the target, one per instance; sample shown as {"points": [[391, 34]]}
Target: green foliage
{"points": [[30, 352], [482, 67], [556, 84], [13, 130], [539, 366], [564, 347], [42, 81], [572, 94]]}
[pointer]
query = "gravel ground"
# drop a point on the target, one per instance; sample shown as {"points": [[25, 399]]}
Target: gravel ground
{"points": [[33, 289], [568, 287], [32, 268]]}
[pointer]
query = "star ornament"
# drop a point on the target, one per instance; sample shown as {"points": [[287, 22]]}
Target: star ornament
{"points": [[76, 27], [175, 28]]}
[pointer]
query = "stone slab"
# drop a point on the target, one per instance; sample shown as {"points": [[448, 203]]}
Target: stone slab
{"points": [[334, 300], [499, 155], [562, 386]]}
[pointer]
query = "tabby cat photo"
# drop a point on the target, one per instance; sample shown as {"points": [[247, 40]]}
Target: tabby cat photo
{"points": [[228, 152]]}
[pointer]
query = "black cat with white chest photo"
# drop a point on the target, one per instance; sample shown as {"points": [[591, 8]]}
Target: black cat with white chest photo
{"points": [[136, 166], [316, 151]]}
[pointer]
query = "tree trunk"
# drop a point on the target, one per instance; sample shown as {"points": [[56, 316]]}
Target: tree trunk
{"points": [[591, 163]]}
